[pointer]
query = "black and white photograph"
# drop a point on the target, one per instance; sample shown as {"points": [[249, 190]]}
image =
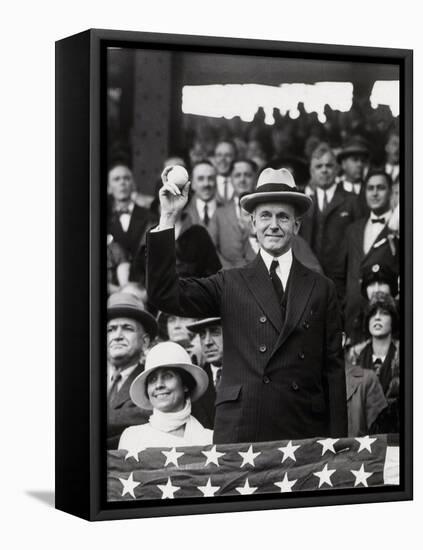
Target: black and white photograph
{"points": [[255, 271]]}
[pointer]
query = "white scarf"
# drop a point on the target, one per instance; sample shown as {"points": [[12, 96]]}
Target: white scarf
{"points": [[169, 421]]}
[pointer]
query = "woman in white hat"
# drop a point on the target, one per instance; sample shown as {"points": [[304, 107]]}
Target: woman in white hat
{"points": [[167, 386]]}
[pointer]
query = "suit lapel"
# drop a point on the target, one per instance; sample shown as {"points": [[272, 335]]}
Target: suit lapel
{"points": [[358, 237], [337, 199], [123, 394], [260, 285], [382, 235], [300, 286]]}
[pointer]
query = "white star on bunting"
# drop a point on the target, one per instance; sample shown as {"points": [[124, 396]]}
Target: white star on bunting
{"points": [[172, 457], [324, 476], [365, 443], [248, 457], [129, 485], [168, 490], [212, 456], [361, 476], [327, 445], [289, 451], [246, 490], [285, 485], [134, 452], [208, 490]]}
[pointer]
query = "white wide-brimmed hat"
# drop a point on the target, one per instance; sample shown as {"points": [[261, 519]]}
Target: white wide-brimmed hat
{"points": [[276, 186], [167, 354]]}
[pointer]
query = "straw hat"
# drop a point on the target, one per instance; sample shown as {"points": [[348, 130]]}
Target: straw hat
{"points": [[276, 186], [167, 354]]}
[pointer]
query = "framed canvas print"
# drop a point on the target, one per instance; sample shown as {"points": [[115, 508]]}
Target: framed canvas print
{"points": [[234, 274]]}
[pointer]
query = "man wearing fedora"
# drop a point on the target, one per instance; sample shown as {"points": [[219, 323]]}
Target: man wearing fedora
{"points": [[210, 333], [283, 375], [130, 330]]}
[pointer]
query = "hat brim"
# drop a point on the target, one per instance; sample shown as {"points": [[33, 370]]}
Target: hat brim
{"points": [[349, 152], [138, 392], [300, 201], [198, 325], [146, 319]]}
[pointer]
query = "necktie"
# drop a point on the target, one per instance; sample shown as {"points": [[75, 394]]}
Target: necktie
{"points": [[116, 378], [377, 364], [325, 201], [277, 284], [378, 220], [218, 378], [206, 218]]}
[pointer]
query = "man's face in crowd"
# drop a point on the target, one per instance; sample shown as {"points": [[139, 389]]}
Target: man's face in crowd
{"points": [[275, 225], [378, 194], [120, 183], [377, 286], [204, 182], [353, 167], [126, 340], [380, 324], [392, 149], [177, 331], [243, 178], [323, 170], [212, 344], [224, 155]]}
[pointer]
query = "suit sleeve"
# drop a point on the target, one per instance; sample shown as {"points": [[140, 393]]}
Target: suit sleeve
{"points": [[334, 371], [190, 297]]}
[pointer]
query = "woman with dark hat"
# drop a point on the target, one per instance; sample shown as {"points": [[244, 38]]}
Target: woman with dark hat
{"points": [[167, 386]]}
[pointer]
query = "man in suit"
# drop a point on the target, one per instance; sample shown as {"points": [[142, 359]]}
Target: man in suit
{"points": [[369, 241], [354, 161], [231, 226], [332, 211], [283, 375], [210, 333], [127, 222], [130, 330], [204, 202], [224, 155]]}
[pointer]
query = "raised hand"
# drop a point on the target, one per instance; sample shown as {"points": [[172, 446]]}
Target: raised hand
{"points": [[172, 198]]}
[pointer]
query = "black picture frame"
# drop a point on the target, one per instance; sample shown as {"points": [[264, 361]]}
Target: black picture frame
{"points": [[81, 287]]}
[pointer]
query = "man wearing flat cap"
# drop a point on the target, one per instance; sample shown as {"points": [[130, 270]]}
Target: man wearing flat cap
{"points": [[283, 375], [130, 330], [210, 333]]}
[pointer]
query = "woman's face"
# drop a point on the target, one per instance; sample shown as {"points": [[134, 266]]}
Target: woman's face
{"points": [[165, 390], [380, 324]]}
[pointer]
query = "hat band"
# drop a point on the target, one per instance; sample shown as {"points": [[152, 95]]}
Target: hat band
{"points": [[276, 187]]}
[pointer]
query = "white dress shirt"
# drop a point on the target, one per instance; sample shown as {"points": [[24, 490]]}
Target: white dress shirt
{"points": [[284, 267], [352, 187], [392, 170], [330, 191], [125, 219], [215, 369], [372, 230], [112, 371], [211, 208]]}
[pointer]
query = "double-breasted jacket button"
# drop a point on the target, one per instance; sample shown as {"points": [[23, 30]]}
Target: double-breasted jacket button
{"points": [[263, 348], [266, 379], [301, 355], [263, 319], [295, 386], [306, 325]]}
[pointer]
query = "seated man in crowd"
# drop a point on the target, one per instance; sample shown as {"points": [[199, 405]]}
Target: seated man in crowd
{"points": [[210, 333], [130, 330], [369, 241]]}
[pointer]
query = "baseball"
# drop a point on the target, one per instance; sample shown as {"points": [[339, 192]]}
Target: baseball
{"points": [[178, 175]]}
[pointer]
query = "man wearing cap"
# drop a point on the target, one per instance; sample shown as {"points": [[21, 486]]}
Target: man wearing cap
{"points": [[130, 330], [353, 159], [332, 211], [370, 241], [283, 375], [210, 332]]}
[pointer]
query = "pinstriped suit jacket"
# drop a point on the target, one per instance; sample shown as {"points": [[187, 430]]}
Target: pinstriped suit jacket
{"points": [[282, 379]]}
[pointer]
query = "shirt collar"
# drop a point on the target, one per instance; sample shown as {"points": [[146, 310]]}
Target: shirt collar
{"points": [[131, 205], [284, 261], [211, 204], [123, 372], [386, 216]]}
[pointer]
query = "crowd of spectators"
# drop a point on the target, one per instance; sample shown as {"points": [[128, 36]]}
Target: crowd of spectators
{"points": [[349, 166]]}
